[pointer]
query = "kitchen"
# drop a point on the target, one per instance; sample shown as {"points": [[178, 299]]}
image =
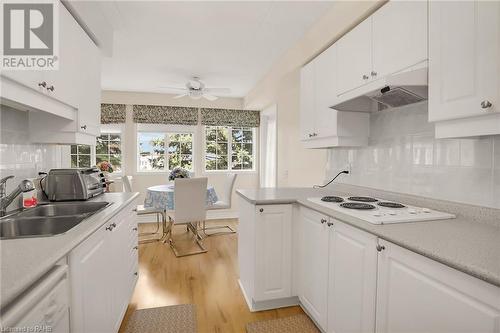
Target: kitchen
{"points": [[370, 199]]}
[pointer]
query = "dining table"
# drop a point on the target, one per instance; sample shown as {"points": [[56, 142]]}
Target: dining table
{"points": [[162, 196]]}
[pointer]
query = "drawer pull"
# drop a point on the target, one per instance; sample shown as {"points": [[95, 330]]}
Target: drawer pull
{"points": [[380, 248], [42, 84], [323, 221], [135, 274], [136, 247], [134, 229], [51, 88]]}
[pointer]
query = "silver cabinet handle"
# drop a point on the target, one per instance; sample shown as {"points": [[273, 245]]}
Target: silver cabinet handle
{"points": [[113, 224], [329, 224], [380, 248], [42, 84], [136, 247], [373, 73], [134, 229], [486, 104], [109, 228], [84, 127], [135, 273], [51, 88], [323, 221], [261, 210], [365, 77], [310, 135]]}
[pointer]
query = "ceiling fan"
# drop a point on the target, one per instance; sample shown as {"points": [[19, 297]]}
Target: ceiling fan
{"points": [[196, 89]]}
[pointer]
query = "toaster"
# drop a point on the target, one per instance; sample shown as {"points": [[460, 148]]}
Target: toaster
{"points": [[74, 184]]}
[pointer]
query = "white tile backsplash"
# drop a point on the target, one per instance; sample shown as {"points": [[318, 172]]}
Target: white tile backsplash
{"points": [[18, 156], [403, 156]]}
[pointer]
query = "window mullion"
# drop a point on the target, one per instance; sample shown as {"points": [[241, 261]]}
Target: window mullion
{"points": [[230, 148]]}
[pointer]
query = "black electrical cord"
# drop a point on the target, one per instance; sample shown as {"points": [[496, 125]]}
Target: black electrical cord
{"points": [[341, 172]]}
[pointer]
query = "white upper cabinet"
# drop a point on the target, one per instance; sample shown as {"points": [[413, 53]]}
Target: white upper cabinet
{"points": [[355, 57], [322, 126], [417, 294], [464, 67], [399, 31], [392, 39]]}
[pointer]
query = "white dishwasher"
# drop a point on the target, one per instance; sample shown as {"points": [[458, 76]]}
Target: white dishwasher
{"points": [[44, 307]]}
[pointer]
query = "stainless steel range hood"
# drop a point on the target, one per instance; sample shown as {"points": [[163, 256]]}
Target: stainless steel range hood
{"points": [[393, 91]]}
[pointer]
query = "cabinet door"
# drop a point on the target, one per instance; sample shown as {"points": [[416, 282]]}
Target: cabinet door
{"points": [[65, 80], [30, 79], [463, 58], [313, 284], [307, 101], [399, 36], [417, 294], [89, 95], [355, 57], [352, 279], [91, 271], [325, 118], [273, 248]]}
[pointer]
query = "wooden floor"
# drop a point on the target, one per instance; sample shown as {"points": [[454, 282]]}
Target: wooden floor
{"points": [[209, 280]]}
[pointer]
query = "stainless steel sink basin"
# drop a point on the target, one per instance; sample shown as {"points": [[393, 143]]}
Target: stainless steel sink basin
{"points": [[64, 209], [47, 220]]}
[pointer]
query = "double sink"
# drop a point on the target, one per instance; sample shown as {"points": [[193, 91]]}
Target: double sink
{"points": [[48, 219]]}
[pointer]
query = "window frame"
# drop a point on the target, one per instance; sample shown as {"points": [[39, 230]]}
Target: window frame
{"points": [[165, 130], [94, 150], [91, 155], [230, 151]]}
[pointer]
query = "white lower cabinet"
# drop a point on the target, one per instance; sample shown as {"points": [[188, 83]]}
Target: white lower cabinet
{"points": [[313, 264], [101, 280], [265, 255], [352, 279], [417, 294]]}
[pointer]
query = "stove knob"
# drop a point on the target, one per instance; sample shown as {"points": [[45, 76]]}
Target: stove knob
{"points": [[391, 212], [412, 211], [426, 210]]}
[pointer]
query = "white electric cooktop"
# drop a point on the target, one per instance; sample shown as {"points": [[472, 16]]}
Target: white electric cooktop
{"points": [[379, 211]]}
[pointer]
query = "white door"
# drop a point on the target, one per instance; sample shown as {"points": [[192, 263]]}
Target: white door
{"points": [[313, 280], [307, 101], [463, 58], [63, 84], [326, 93], [91, 271], [355, 57], [417, 294], [89, 107], [273, 247], [399, 36], [352, 279]]}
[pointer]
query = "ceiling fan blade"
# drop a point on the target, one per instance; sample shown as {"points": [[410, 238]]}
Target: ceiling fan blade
{"points": [[210, 97], [218, 90], [172, 88], [180, 96]]}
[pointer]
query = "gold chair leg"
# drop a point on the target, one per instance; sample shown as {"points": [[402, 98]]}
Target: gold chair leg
{"points": [[205, 228], [163, 222], [198, 239]]}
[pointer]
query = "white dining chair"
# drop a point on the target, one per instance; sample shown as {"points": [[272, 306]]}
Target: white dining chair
{"points": [[141, 210], [224, 203], [190, 197]]}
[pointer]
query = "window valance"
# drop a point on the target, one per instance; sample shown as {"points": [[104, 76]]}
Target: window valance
{"points": [[160, 114], [113, 113], [229, 117]]}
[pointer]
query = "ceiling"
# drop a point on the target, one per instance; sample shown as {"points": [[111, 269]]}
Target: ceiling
{"points": [[227, 44]]}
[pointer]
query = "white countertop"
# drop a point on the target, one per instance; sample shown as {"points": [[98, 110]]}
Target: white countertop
{"points": [[463, 243], [25, 260]]}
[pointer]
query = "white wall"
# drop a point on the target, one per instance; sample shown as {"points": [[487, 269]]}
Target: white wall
{"points": [[403, 156], [18, 157], [142, 181], [297, 166]]}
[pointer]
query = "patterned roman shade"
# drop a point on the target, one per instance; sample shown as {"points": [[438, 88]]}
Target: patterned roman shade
{"points": [[112, 113], [228, 117], [160, 114]]}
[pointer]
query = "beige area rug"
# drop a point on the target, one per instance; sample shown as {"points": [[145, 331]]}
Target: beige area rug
{"points": [[167, 319], [294, 324]]}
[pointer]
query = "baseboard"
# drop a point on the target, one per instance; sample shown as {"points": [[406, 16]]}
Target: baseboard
{"points": [[254, 306], [311, 317]]}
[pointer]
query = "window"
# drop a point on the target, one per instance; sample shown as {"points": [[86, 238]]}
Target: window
{"points": [[229, 148], [80, 156], [158, 151], [108, 148]]}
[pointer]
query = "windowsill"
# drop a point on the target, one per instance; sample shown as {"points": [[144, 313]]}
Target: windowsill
{"points": [[249, 172]]}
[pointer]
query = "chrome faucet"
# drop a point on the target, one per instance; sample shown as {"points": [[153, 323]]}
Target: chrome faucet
{"points": [[5, 200]]}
